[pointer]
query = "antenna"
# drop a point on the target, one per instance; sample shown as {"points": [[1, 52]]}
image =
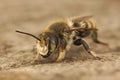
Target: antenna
{"points": [[28, 34]]}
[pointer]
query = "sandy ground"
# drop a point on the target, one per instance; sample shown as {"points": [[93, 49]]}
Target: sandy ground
{"points": [[17, 53]]}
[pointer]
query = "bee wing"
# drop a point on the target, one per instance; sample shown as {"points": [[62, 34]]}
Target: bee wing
{"points": [[80, 29], [78, 19]]}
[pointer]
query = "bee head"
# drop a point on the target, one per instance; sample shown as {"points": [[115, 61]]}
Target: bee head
{"points": [[47, 45]]}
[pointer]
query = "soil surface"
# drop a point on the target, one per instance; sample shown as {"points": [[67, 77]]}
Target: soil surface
{"points": [[17, 51]]}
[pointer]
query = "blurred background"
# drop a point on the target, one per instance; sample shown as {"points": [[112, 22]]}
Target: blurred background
{"points": [[34, 15]]}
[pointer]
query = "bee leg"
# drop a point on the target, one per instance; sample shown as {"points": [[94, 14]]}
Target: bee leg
{"points": [[61, 55], [85, 45], [62, 49], [95, 38]]}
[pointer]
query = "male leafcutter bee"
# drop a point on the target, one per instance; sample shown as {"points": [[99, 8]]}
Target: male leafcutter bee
{"points": [[58, 37]]}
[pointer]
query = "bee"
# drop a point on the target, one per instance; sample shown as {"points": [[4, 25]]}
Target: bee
{"points": [[58, 37]]}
